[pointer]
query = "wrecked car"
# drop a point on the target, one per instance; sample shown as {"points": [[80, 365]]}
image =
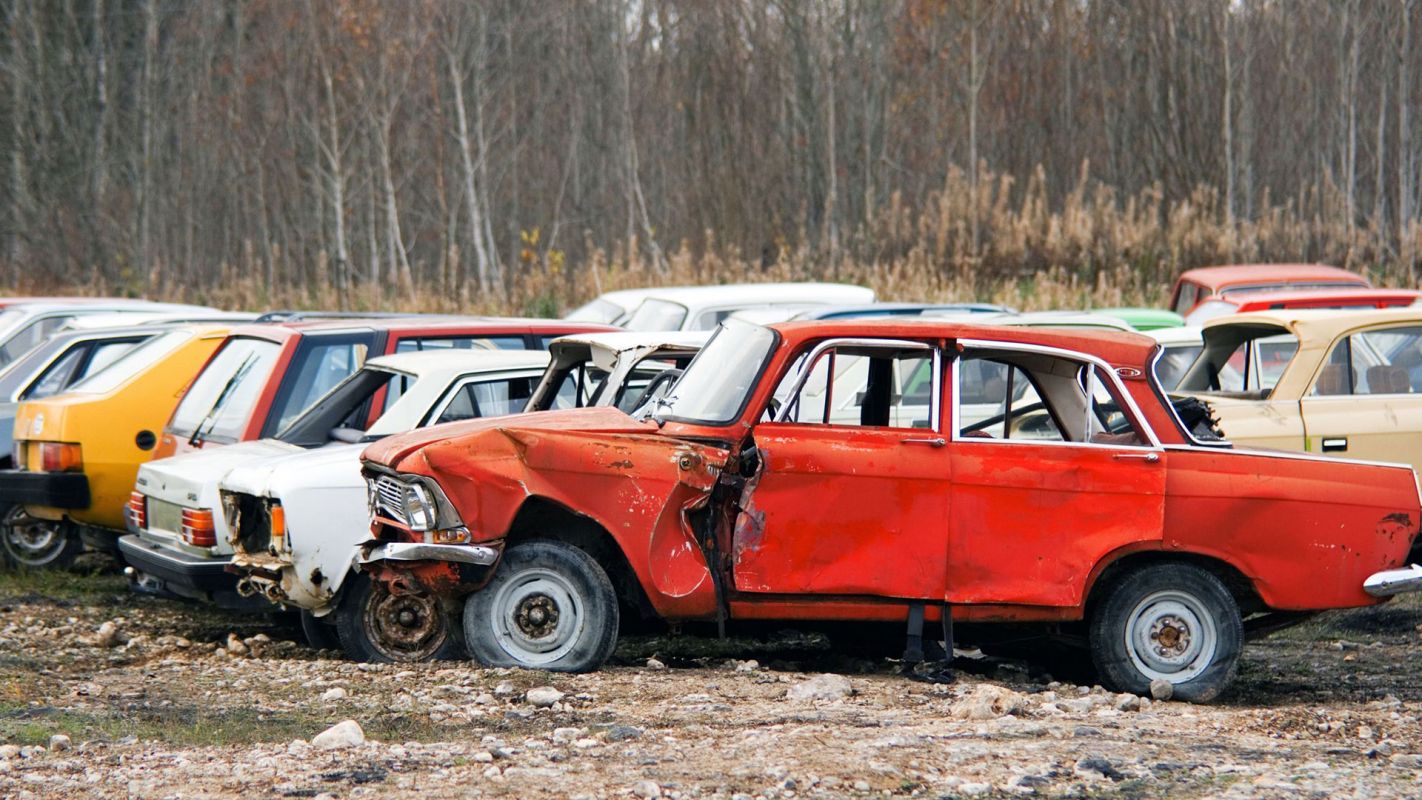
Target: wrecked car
{"points": [[299, 519], [738, 497]]}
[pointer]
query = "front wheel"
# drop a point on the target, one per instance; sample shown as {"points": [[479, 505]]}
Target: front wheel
{"points": [[34, 543], [1174, 622], [549, 606], [376, 625]]}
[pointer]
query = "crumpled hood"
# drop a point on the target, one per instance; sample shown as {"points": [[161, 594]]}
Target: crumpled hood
{"points": [[183, 479], [325, 467], [392, 450]]}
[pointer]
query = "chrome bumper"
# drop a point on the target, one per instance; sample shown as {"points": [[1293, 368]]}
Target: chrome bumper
{"points": [[414, 551], [1394, 581]]}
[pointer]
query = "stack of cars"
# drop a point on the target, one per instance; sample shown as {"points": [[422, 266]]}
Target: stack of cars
{"points": [[517, 491]]}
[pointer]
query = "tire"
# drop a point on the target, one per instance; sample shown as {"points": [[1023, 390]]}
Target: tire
{"points": [[1188, 606], [31, 543], [376, 626], [319, 632], [549, 606]]}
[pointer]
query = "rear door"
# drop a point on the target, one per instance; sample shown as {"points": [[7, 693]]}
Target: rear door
{"points": [[1364, 403]]}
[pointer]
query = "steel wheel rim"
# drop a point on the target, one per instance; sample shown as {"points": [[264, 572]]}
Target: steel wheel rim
{"points": [[538, 616], [403, 627], [32, 542], [1171, 635]]}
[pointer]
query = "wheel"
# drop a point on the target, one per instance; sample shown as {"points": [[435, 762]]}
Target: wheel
{"points": [[374, 625], [319, 631], [1172, 621], [549, 606], [35, 543]]}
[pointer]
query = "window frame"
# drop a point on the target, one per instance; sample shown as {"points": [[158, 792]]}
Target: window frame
{"points": [[935, 401], [1347, 339]]}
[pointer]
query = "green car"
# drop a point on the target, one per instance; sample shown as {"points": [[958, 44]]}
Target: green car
{"points": [[1144, 319]]}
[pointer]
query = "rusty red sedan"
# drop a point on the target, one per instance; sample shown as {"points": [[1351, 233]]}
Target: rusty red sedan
{"points": [[890, 471]]}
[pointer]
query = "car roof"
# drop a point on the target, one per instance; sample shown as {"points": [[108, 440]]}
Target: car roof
{"points": [[450, 361], [99, 304], [759, 292], [1180, 334], [280, 331], [1112, 346], [1364, 293], [1314, 323], [1223, 276], [626, 340]]}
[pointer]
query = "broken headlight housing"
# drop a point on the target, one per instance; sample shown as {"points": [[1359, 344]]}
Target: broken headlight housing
{"points": [[421, 512]]}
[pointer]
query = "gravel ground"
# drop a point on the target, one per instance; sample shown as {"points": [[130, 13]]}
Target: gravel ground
{"points": [[104, 694]]}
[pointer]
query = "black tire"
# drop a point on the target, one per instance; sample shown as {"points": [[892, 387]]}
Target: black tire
{"points": [[549, 606], [31, 543], [376, 626], [320, 633], [1171, 621]]}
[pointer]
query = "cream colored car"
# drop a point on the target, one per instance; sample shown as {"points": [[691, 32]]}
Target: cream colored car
{"points": [[1345, 383]]}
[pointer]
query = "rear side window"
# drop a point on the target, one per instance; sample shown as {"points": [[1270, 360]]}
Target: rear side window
{"points": [[488, 399], [133, 362], [78, 363], [460, 343], [1373, 362], [221, 398]]}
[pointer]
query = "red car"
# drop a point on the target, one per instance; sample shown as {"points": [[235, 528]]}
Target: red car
{"points": [[1196, 286], [264, 375], [888, 471], [1350, 297]]}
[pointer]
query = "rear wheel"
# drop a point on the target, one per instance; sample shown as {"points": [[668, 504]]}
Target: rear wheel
{"points": [[1174, 622], [374, 624], [35, 543], [549, 606], [320, 633]]}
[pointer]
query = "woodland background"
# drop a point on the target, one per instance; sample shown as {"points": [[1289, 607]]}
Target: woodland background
{"points": [[521, 156]]}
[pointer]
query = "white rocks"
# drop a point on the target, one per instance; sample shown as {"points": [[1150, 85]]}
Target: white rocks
{"points": [[505, 689], [484, 757], [974, 789], [747, 666], [235, 646], [334, 694], [1161, 689], [821, 687], [1128, 702], [59, 742], [298, 748], [986, 701], [862, 786], [9, 751], [655, 663], [1406, 760], [567, 735], [647, 790], [346, 733], [542, 696], [109, 635]]}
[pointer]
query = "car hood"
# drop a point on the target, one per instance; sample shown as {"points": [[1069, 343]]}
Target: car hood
{"points": [[392, 450], [331, 467], [184, 479]]}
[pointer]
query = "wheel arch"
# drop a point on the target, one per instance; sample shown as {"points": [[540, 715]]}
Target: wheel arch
{"points": [[1120, 563]]}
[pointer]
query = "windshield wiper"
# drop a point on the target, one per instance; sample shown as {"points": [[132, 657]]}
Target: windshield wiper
{"points": [[210, 418]]}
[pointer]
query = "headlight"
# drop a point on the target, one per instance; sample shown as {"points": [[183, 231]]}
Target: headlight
{"points": [[420, 512]]}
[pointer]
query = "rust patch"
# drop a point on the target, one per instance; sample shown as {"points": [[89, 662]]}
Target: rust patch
{"points": [[1394, 524]]}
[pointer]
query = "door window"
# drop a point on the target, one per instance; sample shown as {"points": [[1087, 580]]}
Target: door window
{"points": [[1387, 361], [316, 369], [861, 384], [416, 345], [487, 399]]}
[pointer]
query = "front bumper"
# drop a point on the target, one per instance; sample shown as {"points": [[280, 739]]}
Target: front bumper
{"points": [[187, 575], [476, 554], [1394, 581], [50, 489]]}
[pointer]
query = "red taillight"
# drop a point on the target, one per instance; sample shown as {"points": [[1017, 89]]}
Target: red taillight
{"points": [[138, 509], [60, 457], [198, 529]]}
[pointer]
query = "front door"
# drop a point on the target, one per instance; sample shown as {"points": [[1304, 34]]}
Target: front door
{"points": [[1052, 471], [851, 497]]}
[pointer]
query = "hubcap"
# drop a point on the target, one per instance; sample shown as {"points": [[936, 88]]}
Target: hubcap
{"points": [[404, 627], [31, 541], [1171, 635], [538, 616]]}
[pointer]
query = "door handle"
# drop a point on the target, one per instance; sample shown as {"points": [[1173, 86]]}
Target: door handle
{"points": [[1334, 444], [931, 441], [1149, 458]]}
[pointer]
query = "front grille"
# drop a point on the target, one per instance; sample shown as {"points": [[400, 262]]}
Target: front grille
{"points": [[252, 526], [389, 499]]}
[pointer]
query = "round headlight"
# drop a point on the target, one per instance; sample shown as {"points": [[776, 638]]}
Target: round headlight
{"points": [[419, 507]]}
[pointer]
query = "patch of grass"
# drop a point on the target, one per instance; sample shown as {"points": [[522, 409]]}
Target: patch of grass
{"points": [[61, 585]]}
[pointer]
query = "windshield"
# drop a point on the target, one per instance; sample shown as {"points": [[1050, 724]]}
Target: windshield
{"points": [[718, 382], [132, 363], [223, 394], [656, 315], [341, 414]]}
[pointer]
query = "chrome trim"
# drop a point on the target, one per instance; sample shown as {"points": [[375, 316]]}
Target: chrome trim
{"points": [[1071, 355], [1391, 582], [389, 497], [416, 551], [1296, 456]]}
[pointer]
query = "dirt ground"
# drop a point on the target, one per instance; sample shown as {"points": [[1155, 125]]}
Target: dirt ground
{"points": [[164, 699]]}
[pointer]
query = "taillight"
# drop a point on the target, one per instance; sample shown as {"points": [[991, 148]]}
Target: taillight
{"points": [[198, 529], [138, 509], [60, 457], [277, 514]]}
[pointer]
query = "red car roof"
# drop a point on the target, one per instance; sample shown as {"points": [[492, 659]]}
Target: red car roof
{"points": [[1285, 298], [1217, 278]]}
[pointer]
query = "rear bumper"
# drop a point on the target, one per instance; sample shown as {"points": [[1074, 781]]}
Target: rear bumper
{"points": [[1394, 581], [51, 489], [187, 575]]}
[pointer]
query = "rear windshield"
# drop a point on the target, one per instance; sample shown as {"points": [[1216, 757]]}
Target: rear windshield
{"points": [[134, 362], [221, 398]]}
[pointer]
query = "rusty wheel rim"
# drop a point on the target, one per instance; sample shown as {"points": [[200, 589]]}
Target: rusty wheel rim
{"points": [[404, 627]]}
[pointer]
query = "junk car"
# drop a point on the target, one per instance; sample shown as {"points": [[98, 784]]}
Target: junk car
{"points": [[741, 497], [1197, 286]]}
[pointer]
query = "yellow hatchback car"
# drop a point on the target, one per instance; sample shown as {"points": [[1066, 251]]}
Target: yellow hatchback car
{"points": [[76, 454]]}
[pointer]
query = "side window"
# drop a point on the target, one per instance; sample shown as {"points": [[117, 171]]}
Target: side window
{"points": [[322, 367], [998, 400], [863, 385], [104, 354], [414, 345], [1034, 397], [59, 375], [488, 399], [1387, 361]]}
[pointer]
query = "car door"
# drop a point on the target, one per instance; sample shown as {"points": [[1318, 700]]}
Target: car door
{"points": [[1064, 473], [1366, 401], [850, 507]]}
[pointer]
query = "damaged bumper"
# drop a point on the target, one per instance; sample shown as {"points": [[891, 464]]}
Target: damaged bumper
{"points": [[1394, 581], [478, 555]]}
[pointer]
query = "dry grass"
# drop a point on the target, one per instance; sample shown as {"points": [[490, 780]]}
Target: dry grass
{"points": [[1097, 249]]}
